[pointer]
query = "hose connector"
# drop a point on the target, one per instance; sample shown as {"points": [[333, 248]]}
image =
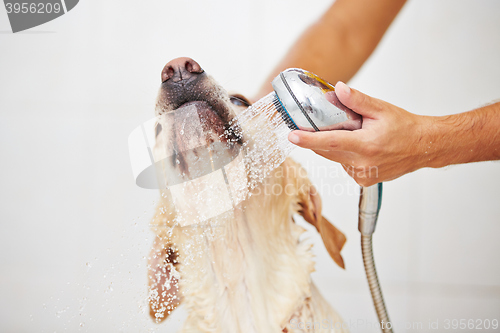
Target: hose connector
{"points": [[370, 200]]}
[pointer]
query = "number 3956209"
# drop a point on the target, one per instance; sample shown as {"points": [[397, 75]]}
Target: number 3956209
{"points": [[471, 324], [33, 8]]}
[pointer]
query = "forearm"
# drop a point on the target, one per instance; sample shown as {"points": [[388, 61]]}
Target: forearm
{"points": [[462, 138], [338, 44]]}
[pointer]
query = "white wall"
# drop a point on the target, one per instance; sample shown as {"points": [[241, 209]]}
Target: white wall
{"points": [[74, 226]]}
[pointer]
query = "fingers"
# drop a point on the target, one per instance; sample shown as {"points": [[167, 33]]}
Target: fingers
{"points": [[328, 140], [357, 101]]}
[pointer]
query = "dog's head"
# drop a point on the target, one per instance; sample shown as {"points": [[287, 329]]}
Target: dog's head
{"points": [[194, 118], [193, 111]]}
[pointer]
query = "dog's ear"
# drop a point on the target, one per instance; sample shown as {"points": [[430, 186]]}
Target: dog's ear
{"points": [[163, 279], [333, 238]]}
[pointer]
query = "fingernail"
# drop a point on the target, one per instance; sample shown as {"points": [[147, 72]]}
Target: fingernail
{"points": [[293, 138], [341, 86]]}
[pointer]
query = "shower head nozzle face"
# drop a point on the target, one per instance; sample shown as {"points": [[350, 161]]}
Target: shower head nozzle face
{"points": [[302, 96]]}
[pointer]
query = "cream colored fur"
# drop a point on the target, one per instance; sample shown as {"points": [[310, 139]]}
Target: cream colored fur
{"points": [[250, 272]]}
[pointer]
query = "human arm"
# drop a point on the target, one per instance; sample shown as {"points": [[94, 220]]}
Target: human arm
{"points": [[393, 142], [338, 44]]}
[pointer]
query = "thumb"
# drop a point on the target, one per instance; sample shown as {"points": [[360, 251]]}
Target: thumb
{"points": [[357, 101]]}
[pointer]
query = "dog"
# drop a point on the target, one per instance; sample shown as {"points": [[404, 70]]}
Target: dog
{"points": [[250, 271]]}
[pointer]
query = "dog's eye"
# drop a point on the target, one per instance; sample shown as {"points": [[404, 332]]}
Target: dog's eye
{"points": [[157, 129], [239, 100]]}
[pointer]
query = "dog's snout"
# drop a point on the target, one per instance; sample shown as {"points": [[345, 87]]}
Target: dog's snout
{"points": [[184, 81], [180, 69]]}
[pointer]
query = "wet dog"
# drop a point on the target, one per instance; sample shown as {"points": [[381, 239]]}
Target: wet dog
{"points": [[249, 271]]}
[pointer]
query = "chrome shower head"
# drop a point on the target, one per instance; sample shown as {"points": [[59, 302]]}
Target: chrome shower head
{"points": [[302, 98]]}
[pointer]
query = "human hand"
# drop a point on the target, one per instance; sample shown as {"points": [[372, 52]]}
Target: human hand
{"points": [[389, 144]]}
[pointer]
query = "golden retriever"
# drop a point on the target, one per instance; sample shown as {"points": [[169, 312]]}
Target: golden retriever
{"points": [[247, 270]]}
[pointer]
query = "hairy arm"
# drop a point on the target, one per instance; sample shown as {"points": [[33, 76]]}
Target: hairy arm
{"points": [[338, 44], [472, 136], [393, 141]]}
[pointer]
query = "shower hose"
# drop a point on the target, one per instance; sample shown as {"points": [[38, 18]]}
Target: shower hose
{"points": [[369, 207]]}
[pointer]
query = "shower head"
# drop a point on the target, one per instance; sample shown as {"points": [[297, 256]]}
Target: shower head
{"points": [[301, 98]]}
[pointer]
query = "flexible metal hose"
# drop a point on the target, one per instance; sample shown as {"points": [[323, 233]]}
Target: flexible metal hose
{"points": [[371, 275]]}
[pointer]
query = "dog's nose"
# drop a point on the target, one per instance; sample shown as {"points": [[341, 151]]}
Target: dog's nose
{"points": [[180, 69]]}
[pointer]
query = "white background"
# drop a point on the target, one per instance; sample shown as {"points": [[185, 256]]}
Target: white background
{"points": [[73, 226]]}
